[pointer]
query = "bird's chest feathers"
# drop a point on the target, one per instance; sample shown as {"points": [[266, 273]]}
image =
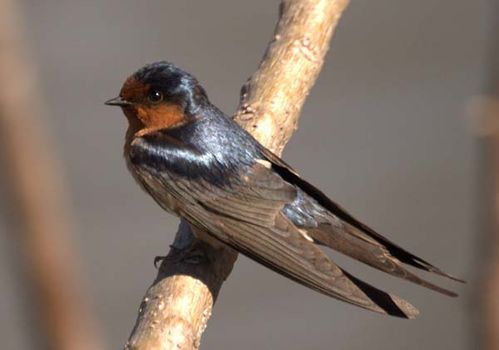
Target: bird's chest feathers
{"points": [[190, 151], [155, 187]]}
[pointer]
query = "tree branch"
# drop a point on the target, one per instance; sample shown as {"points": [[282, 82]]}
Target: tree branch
{"points": [[36, 190], [484, 113], [176, 308]]}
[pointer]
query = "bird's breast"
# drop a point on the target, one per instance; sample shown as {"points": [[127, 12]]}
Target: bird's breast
{"points": [[157, 188]]}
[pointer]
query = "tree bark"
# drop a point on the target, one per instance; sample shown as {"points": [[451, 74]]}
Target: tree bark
{"points": [[176, 308]]}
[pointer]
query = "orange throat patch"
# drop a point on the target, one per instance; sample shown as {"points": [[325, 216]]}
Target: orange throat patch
{"points": [[163, 116]]}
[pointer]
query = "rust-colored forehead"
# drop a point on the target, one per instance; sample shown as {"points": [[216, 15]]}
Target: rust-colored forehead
{"points": [[133, 89]]}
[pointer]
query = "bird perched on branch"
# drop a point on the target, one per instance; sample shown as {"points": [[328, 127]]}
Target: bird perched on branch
{"points": [[200, 165]]}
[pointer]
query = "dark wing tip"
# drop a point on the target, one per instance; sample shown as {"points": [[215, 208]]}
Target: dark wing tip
{"points": [[389, 304], [401, 254]]}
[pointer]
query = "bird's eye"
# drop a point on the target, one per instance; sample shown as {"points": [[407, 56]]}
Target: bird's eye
{"points": [[155, 96]]}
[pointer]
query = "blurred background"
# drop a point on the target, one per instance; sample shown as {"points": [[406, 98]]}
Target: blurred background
{"points": [[385, 132]]}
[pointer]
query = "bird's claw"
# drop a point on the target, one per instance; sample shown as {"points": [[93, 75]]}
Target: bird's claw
{"points": [[158, 260]]}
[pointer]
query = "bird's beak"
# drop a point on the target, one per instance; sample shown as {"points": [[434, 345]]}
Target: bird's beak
{"points": [[117, 101]]}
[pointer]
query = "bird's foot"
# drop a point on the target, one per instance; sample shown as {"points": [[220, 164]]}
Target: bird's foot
{"points": [[192, 255]]}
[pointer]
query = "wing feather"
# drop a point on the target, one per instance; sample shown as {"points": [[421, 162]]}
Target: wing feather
{"points": [[376, 250], [247, 215], [246, 211]]}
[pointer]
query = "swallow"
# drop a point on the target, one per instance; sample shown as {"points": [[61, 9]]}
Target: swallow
{"points": [[200, 165]]}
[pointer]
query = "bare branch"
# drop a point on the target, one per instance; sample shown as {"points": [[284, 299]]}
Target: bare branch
{"points": [[484, 111], [176, 308], [488, 296], [36, 192]]}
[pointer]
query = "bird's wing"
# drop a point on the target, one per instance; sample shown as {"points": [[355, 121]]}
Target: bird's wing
{"points": [[246, 214], [339, 230]]}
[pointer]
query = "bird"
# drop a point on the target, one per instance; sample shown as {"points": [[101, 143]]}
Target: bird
{"points": [[200, 165]]}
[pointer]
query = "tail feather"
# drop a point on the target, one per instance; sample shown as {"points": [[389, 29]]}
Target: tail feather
{"points": [[349, 241], [392, 251]]}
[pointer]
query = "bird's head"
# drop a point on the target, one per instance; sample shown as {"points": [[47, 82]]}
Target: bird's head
{"points": [[159, 95]]}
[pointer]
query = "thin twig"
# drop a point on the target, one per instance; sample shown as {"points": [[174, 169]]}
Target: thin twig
{"points": [[176, 308], [489, 297], [37, 194]]}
